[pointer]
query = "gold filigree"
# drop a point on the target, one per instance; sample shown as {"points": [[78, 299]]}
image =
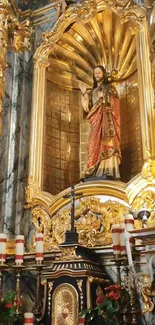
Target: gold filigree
{"points": [[68, 254], [4, 3], [98, 280], [50, 287], [93, 220], [93, 224], [4, 16], [43, 224], [146, 200], [148, 170], [22, 36], [65, 305], [80, 285], [145, 287], [31, 191]]}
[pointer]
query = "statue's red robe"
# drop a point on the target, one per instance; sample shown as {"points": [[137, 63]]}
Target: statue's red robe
{"points": [[104, 153]]}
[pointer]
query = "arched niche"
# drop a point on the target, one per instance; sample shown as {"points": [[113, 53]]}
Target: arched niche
{"points": [[84, 36]]}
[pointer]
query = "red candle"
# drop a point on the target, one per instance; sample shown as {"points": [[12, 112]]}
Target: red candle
{"points": [[2, 248], [39, 247], [19, 249], [28, 319], [116, 239]]}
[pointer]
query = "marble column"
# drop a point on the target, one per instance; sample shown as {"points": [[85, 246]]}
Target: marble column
{"points": [[15, 140]]}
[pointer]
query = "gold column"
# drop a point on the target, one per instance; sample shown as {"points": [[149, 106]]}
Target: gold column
{"points": [[37, 127], [4, 10], [147, 113]]}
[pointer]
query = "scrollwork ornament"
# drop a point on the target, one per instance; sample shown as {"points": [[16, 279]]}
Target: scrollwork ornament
{"points": [[50, 287], [31, 190], [80, 285], [68, 254], [22, 36], [4, 3], [4, 15]]}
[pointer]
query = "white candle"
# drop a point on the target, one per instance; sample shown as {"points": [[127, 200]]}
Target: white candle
{"points": [[129, 222], [2, 248], [19, 249], [122, 239], [39, 247], [128, 248], [129, 225], [28, 319], [116, 238]]}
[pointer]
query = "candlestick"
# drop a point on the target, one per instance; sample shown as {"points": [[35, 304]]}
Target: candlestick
{"points": [[116, 238], [2, 248], [39, 247], [28, 319], [19, 249]]}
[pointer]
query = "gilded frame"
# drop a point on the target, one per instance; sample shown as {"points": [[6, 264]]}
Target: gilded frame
{"points": [[83, 12]]}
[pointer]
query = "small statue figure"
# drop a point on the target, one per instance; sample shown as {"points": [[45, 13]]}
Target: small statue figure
{"points": [[102, 106]]}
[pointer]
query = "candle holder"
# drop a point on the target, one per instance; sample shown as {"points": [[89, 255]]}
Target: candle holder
{"points": [[37, 307], [3, 267], [18, 268]]}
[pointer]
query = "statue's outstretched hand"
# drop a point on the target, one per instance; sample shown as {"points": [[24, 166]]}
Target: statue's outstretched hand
{"points": [[82, 87]]}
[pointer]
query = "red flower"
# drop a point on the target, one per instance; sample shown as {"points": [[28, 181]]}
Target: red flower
{"points": [[112, 287], [100, 299], [19, 302], [8, 305], [114, 295]]}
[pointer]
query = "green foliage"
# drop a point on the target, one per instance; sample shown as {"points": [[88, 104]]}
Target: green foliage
{"points": [[106, 311], [7, 309]]}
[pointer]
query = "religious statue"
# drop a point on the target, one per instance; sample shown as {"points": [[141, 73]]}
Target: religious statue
{"points": [[102, 105]]}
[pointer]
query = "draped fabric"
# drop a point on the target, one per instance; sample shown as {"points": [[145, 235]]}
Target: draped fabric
{"points": [[104, 141]]}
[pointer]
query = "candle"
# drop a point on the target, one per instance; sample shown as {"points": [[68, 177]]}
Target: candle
{"points": [[28, 318], [129, 222], [2, 248], [39, 247], [19, 249], [129, 225], [116, 238], [128, 248], [122, 239]]}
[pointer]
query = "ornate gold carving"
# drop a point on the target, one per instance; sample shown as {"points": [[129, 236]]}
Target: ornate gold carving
{"points": [[4, 3], [145, 288], [65, 305], [148, 170], [60, 8], [4, 16], [22, 36], [50, 287], [93, 221], [43, 223], [31, 191], [77, 14], [68, 254], [98, 280], [80, 284], [145, 199]]}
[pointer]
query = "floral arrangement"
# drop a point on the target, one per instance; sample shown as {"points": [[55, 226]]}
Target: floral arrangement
{"points": [[107, 307], [8, 305]]}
